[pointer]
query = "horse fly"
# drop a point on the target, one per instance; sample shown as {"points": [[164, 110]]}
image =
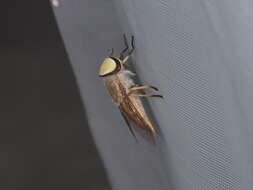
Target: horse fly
{"points": [[124, 92]]}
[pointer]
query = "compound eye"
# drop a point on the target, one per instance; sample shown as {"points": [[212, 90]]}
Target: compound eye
{"points": [[108, 66]]}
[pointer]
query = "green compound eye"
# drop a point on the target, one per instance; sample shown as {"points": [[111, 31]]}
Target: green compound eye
{"points": [[107, 66]]}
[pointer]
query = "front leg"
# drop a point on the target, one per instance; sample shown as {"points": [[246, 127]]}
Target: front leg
{"points": [[124, 57]]}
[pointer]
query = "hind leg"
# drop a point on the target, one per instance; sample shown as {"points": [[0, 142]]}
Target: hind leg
{"points": [[145, 95], [142, 87]]}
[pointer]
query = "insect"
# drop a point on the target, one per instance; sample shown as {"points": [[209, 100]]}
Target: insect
{"points": [[124, 92]]}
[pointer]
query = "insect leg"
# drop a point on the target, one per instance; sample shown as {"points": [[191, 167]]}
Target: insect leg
{"points": [[133, 46], [110, 53], [122, 56], [146, 95], [125, 49], [142, 87]]}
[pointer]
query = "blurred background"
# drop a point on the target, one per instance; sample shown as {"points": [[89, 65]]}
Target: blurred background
{"points": [[45, 141]]}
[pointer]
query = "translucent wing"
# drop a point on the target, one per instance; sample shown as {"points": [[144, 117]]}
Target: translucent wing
{"points": [[128, 123], [132, 115], [130, 108]]}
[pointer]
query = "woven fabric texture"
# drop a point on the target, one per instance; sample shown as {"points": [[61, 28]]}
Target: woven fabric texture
{"points": [[199, 54]]}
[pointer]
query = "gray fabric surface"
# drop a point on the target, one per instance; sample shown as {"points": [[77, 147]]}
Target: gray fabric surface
{"points": [[199, 53]]}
